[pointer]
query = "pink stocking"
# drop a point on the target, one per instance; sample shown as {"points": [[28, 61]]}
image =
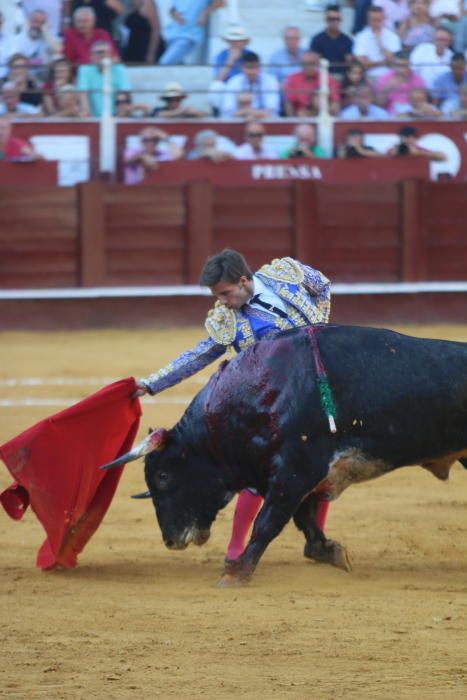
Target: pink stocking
{"points": [[321, 513], [248, 504]]}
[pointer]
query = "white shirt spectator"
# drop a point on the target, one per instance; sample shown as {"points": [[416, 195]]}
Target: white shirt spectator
{"points": [[7, 49], [53, 10], [366, 44], [14, 19], [395, 11], [427, 64], [246, 152], [21, 108], [265, 91]]}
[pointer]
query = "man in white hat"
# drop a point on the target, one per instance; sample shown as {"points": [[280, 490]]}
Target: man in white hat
{"points": [[228, 62], [173, 108]]}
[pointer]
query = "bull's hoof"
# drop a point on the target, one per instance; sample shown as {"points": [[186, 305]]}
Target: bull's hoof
{"points": [[231, 581], [330, 552], [231, 575]]}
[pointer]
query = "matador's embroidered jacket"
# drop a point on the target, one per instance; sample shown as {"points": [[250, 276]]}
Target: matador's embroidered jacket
{"points": [[305, 293]]}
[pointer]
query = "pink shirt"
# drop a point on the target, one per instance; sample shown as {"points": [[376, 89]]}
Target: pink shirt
{"points": [[400, 94]]}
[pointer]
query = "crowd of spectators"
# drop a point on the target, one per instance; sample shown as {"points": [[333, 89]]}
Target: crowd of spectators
{"points": [[405, 58]]}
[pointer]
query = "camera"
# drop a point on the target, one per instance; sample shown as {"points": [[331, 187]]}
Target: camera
{"points": [[402, 149]]}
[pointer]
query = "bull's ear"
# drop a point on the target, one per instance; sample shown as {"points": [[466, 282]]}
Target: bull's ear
{"points": [[156, 440], [150, 430]]}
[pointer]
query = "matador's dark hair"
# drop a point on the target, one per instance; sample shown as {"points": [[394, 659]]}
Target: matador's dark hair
{"points": [[228, 266]]}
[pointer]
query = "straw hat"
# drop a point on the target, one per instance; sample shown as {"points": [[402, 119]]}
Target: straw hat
{"points": [[173, 90], [235, 33]]}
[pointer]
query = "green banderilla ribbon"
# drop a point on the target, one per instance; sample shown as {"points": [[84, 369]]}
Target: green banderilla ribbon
{"points": [[325, 393]]}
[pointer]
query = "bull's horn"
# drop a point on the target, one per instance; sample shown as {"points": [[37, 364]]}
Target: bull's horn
{"points": [[155, 441], [144, 494]]}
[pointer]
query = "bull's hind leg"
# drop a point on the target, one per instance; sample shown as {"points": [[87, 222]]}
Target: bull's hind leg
{"points": [[317, 546]]}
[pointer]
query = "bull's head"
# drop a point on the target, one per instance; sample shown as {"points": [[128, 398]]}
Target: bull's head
{"points": [[187, 489]]}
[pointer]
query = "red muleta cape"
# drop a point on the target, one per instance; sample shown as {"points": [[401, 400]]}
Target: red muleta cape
{"points": [[55, 464]]}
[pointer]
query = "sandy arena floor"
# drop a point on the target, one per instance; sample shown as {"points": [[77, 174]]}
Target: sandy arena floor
{"points": [[137, 621]]}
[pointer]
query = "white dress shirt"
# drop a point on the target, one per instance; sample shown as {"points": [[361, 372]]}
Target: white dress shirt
{"points": [[266, 295], [265, 91], [427, 64], [366, 44]]}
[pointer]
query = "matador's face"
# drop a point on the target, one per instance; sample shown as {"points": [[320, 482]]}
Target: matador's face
{"points": [[233, 294]]}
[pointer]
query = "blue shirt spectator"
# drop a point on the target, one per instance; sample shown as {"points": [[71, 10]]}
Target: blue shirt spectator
{"points": [[333, 44], [90, 80], [286, 61], [187, 28], [263, 87], [362, 106], [446, 86], [228, 62]]}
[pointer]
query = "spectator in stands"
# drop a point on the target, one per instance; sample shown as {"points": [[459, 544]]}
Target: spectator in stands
{"points": [[305, 144], [7, 48], [90, 79], [69, 102], [206, 147], [460, 36], [156, 147], [457, 109], [299, 87], [228, 62], [418, 27], [125, 108], [354, 76], [363, 106], [313, 107], [145, 43], [446, 86], [395, 12], [11, 148], [38, 43], [408, 146], [245, 109], [332, 43], [375, 45], [287, 60], [18, 73], [105, 11], [79, 39], [253, 146], [393, 89], [60, 74], [431, 60], [14, 19], [173, 96], [354, 146], [263, 87], [11, 104], [445, 13], [186, 30], [52, 8], [418, 107]]}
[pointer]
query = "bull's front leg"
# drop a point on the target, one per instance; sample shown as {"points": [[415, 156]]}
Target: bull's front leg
{"points": [[280, 503]]}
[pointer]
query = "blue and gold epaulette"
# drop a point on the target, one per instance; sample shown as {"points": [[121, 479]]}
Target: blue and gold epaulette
{"points": [[221, 324], [284, 270]]}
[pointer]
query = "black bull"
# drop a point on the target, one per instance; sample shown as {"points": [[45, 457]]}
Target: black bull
{"points": [[259, 422]]}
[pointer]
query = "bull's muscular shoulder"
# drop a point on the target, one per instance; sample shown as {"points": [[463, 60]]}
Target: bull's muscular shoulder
{"points": [[284, 270], [221, 324]]}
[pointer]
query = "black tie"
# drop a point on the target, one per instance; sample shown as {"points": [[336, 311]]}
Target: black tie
{"points": [[269, 307]]}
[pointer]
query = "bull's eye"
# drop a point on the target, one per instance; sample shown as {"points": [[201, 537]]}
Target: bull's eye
{"points": [[161, 479]]}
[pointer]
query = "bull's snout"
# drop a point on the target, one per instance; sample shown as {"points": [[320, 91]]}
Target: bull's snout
{"points": [[190, 535]]}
